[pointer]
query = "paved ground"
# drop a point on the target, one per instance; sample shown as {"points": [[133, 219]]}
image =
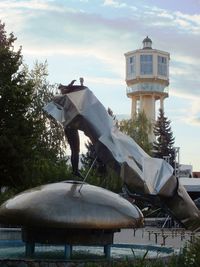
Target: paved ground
{"points": [[173, 237]]}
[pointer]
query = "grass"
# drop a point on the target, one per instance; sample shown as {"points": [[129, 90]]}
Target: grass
{"points": [[189, 257]]}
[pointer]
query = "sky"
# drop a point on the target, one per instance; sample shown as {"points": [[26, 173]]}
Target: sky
{"points": [[88, 38]]}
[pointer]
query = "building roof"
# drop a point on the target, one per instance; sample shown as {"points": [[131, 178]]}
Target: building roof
{"points": [[190, 184], [147, 39], [196, 174], [147, 43]]}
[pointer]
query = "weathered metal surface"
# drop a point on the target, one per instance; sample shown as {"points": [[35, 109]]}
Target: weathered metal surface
{"points": [[141, 173], [62, 205]]}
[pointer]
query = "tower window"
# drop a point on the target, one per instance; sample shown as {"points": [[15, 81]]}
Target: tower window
{"points": [[162, 66], [131, 65], [146, 64]]}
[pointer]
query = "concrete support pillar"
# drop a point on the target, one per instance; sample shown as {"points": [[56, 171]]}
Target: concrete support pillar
{"points": [[107, 251], [68, 252], [134, 107], [152, 118], [153, 108], [29, 249], [141, 104], [162, 103]]}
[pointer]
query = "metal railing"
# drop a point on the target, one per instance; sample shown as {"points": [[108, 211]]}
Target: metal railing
{"points": [[141, 88]]}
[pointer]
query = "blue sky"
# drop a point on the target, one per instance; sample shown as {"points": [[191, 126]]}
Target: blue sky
{"points": [[88, 38]]}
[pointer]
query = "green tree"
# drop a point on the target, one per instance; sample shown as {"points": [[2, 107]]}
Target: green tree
{"points": [[100, 174], [47, 138], [138, 128], [15, 123], [49, 134], [90, 157], [164, 144], [31, 144]]}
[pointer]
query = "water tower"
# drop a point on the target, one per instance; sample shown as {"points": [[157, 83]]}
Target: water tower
{"points": [[147, 79]]}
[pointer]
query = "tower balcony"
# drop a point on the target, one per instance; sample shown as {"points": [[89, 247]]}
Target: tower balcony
{"points": [[147, 88]]}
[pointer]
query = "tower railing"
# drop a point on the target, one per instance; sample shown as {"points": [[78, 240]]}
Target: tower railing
{"points": [[147, 88]]}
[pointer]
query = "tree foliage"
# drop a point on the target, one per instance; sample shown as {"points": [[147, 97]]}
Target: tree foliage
{"points": [[138, 128], [91, 158], [100, 174], [31, 145], [164, 144], [48, 136], [15, 122]]}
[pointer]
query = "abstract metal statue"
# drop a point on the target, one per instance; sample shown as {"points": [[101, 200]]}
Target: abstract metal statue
{"points": [[150, 178]]}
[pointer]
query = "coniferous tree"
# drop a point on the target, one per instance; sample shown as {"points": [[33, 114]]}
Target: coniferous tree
{"points": [[100, 174], [89, 157], [164, 144]]}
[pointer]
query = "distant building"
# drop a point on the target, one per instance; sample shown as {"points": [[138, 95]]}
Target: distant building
{"points": [[147, 79], [192, 186], [185, 170], [196, 174]]}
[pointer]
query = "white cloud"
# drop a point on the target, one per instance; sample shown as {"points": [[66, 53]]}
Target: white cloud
{"points": [[176, 20], [18, 14], [191, 113], [42, 5], [108, 81], [109, 58], [184, 58], [177, 71], [32, 4], [190, 22], [185, 95], [114, 3], [164, 14]]}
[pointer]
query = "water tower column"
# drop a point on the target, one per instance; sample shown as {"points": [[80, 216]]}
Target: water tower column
{"points": [[141, 104], [147, 105], [153, 108], [134, 107], [162, 103]]}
